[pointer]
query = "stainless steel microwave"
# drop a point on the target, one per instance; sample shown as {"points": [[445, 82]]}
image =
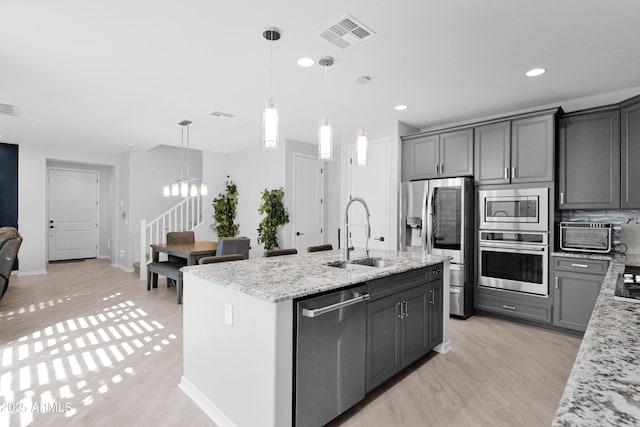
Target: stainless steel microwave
{"points": [[522, 209]]}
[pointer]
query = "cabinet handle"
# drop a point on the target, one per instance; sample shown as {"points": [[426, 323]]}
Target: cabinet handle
{"points": [[406, 309], [509, 307], [401, 314], [431, 297], [437, 168], [556, 282], [506, 173], [562, 198], [580, 265], [513, 172], [441, 168]]}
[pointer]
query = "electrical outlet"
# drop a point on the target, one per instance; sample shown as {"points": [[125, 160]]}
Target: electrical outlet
{"points": [[228, 314]]}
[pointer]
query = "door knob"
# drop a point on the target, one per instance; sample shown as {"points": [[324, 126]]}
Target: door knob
{"points": [[299, 233], [381, 238]]}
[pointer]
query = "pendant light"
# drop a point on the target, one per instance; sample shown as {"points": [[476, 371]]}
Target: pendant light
{"points": [[362, 143], [325, 131], [270, 112], [185, 186]]}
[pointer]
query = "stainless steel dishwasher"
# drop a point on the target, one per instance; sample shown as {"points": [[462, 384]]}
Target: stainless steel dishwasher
{"points": [[330, 355]]}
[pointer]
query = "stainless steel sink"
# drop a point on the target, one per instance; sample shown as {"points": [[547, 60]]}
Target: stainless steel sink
{"points": [[364, 264]]}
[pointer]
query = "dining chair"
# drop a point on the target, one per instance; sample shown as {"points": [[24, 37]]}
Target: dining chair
{"points": [[278, 252], [220, 258], [233, 245], [318, 248]]}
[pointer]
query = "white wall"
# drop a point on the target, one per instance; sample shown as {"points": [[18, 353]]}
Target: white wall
{"points": [[215, 168], [253, 171]]}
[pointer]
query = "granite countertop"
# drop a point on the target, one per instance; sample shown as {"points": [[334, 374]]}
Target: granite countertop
{"points": [[286, 277], [583, 255], [604, 386]]}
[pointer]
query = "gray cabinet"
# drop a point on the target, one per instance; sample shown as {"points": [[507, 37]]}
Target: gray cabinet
{"points": [[493, 153], [577, 284], [589, 161], [516, 151], [630, 158], [402, 322], [438, 155]]}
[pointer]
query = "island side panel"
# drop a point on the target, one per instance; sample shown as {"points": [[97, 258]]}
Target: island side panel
{"points": [[446, 283], [240, 374]]}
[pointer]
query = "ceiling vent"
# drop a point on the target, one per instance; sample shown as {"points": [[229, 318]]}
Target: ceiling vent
{"points": [[8, 109], [346, 32], [221, 114]]}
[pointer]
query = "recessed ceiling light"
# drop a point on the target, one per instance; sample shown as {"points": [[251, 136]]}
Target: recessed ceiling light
{"points": [[400, 107], [535, 72], [305, 62]]}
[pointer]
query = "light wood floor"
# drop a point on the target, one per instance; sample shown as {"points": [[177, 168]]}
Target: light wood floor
{"points": [[90, 337]]}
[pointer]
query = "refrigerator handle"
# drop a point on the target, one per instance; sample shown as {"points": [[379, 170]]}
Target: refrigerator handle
{"points": [[429, 222]]}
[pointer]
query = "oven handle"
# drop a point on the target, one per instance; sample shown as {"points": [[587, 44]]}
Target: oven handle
{"points": [[532, 248]]}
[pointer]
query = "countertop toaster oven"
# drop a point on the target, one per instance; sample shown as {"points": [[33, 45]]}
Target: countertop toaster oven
{"points": [[591, 237]]}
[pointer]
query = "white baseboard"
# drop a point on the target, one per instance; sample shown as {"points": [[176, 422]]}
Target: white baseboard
{"points": [[124, 267], [208, 407], [29, 272], [444, 347]]}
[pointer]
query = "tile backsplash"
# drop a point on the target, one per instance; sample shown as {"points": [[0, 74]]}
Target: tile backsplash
{"points": [[616, 218]]}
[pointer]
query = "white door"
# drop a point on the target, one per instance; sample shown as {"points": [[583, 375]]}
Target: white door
{"points": [[371, 183], [73, 214], [307, 216]]}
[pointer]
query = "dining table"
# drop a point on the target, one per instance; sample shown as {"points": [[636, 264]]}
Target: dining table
{"points": [[189, 251]]}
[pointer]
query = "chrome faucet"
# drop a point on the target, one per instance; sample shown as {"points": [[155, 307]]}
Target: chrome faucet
{"points": [[346, 226]]}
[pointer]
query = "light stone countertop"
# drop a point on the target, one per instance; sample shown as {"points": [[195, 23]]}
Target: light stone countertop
{"points": [[604, 386], [583, 255], [287, 277]]}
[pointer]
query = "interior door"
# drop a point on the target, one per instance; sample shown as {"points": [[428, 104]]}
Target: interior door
{"points": [[308, 199], [370, 182], [73, 214]]}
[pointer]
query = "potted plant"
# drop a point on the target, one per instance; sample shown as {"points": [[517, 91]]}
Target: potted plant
{"points": [[276, 216], [224, 212]]}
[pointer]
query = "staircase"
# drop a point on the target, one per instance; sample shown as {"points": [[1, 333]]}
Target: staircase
{"points": [[185, 216]]}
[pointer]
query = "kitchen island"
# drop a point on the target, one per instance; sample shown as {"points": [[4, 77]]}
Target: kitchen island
{"points": [[604, 386], [239, 325]]}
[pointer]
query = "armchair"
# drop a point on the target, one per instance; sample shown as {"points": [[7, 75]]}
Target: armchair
{"points": [[10, 241]]}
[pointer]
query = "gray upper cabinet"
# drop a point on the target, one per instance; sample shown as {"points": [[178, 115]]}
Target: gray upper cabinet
{"points": [[493, 153], [420, 158], [589, 161], [630, 159], [532, 146], [438, 155], [520, 150]]}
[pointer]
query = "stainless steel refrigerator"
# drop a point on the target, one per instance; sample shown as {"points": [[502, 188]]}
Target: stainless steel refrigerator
{"points": [[436, 217]]}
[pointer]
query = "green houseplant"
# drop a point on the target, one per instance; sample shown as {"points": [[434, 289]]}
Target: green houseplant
{"points": [[224, 212], [276, 216]]}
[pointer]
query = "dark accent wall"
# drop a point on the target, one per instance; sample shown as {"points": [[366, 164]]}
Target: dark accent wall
{"points": [[9, 187]]}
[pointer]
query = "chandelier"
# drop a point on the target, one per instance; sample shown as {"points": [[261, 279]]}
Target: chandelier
{"points": [[189, 186]]}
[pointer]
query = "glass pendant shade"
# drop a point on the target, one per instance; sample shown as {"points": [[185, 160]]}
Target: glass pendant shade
{"points": [[175, 189], [362, 147], [204, 190], [325, 140], [270, 118], [184, 189], [194, 190], [166, 190]]}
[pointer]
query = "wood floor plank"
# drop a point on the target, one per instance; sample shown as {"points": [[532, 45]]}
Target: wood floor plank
{"points": [[91, 336]]}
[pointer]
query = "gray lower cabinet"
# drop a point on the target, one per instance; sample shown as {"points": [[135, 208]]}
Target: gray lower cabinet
{"points": [[630, 158], [402, 323], [589, 161], [576, 286], [511, 304]]}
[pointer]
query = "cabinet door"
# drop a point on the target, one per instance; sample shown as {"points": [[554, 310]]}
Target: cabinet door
{"points": [[630, 157], [415, 332], [574, 298], [492, 154], [532, 145], [420, 158], [383, 340], [589, 161], [456, 153], [435, 313]]}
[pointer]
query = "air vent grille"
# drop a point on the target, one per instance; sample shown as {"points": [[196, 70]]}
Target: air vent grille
{"points": [[346, 32], [8, 109], [221, 114]]}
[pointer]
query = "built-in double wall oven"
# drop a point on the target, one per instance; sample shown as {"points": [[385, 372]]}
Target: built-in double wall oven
{"points": [[513, 242]]}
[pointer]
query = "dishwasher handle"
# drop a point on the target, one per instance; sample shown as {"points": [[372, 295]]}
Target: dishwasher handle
{"points": [[322, 310]]}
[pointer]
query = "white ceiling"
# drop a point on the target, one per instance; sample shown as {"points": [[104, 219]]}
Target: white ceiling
{"points": [[99, 75]]}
